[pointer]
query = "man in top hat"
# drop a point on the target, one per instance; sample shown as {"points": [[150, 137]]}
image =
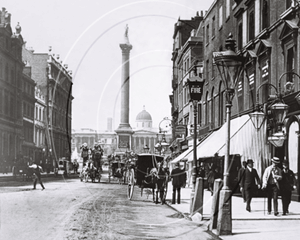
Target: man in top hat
{"points": [[241, 173], [271, 178], [248, 184], [288, 184]]}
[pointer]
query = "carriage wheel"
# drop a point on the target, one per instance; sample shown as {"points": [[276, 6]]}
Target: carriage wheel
{"points": [[130, 179], [124, 177]]}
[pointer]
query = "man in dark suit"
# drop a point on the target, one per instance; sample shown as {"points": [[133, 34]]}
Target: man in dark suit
{"points": [[288, 184], [178, 178], [240, 175], [248, 183]]}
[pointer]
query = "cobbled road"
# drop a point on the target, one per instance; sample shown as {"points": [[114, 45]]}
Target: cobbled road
{"points": [[70, 209]]}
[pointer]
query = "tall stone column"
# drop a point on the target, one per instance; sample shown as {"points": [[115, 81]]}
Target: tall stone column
{"points": [[124, 130]]}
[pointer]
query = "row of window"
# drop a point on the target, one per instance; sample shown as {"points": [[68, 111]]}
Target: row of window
{"points": [[28, 133], [28, 88], [9, 105], [7, 74], [39, 137], [28, 110], [9, 144], [39, 113]]}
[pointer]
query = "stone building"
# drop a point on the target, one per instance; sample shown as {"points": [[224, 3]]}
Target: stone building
{"points": [[11, 90], [187, 53], [40, 126], [266, 34], [107, 138], [28, 147], [146, 135], [54, 81]]}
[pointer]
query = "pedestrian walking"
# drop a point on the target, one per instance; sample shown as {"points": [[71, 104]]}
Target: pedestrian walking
{"points": [[240, 175], [178, 180], [36, 174], [75, 165], [287, 185], [250, 182], [213, 174], [271, 178]]}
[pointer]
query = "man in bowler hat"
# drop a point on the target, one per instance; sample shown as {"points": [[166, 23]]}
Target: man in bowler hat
{"points": [[271, 178], [248, 183], [288, 184]]}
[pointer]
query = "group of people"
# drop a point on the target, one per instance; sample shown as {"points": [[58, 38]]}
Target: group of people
{"points": [[275, 181]]}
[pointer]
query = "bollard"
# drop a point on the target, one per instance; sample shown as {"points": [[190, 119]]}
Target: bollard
{"points": [[197, 205], [218, 183]]}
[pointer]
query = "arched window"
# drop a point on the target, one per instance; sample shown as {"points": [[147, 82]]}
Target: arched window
{"points": [[212, 109], [206, 109]]}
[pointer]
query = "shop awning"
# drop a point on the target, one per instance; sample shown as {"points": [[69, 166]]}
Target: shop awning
{"points": [[245, 140], [186, 153], [182, 155]]}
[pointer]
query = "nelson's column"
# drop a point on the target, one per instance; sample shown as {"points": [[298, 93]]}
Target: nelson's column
{"points": [[124, 130]]}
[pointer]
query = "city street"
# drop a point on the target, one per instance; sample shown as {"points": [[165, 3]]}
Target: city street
{"points": [[70, 209]]}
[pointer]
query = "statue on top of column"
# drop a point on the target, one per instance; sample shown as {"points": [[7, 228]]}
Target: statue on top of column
{"points": [[126, 39]]}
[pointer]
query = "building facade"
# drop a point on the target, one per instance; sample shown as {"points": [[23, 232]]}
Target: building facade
{"points": [[11, 91], [28, 147], [54, 82], [145, 135], [266, 34], [108, 140], [39, 127], [187, 53]]}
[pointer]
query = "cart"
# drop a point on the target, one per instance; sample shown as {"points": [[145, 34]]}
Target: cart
{"points": [[148, 172], [118, 170]]}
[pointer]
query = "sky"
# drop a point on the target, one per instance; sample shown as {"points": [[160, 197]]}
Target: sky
{"points": [[87, 33]]}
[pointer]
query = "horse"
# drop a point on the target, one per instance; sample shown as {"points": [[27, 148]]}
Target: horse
{"points": [[157, 180], [92, 171], [118, 170]]}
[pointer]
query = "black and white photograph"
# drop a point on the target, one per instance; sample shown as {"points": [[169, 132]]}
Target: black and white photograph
{"points": [[149, 119]]}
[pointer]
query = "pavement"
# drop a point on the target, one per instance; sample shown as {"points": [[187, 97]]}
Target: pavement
{"points": [[256, 224], [245, 226]]}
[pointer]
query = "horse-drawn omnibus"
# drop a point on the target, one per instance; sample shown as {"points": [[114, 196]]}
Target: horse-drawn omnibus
{"points": [[148, 172]]}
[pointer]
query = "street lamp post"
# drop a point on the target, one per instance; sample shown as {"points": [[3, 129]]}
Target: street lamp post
{"points": [[278, 111], [195, 85], [162, 143], [230, 67]]}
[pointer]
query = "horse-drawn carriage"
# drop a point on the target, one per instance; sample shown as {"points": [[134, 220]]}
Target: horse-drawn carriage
{"points": [[118, 170], [92, 168], [148, 172], [89, 171]]}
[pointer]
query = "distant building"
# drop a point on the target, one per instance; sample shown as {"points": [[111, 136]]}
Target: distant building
{"points": [[144, 134], [54, 82], [89, 136], [28, 146], [39, 125]]}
